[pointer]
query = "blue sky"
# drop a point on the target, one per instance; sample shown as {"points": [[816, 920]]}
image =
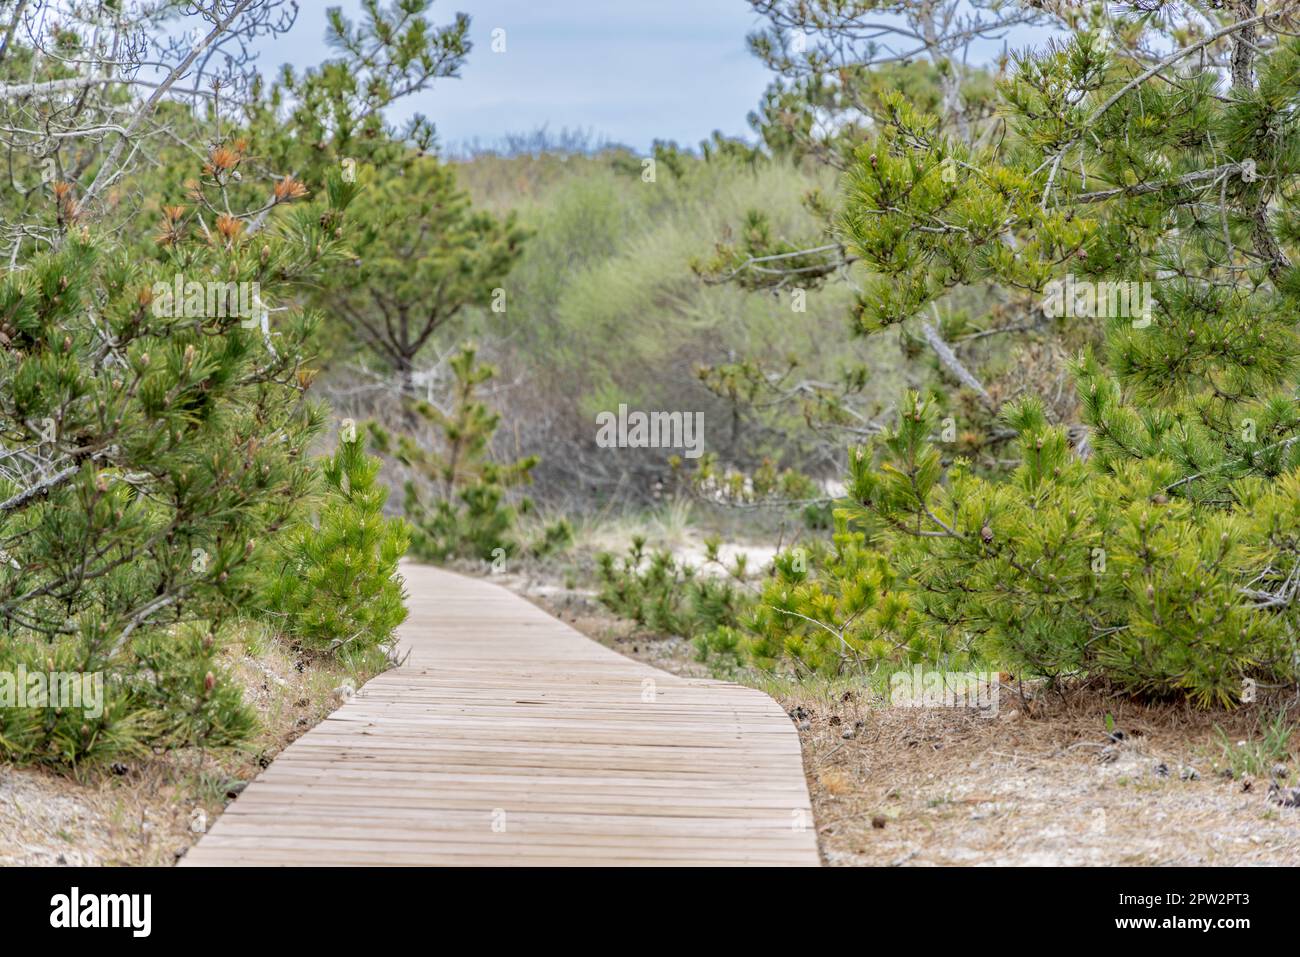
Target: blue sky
{"points": [[627, 70]]}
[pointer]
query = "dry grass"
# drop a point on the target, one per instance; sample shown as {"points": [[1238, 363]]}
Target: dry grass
{"points": [[149, 812]]}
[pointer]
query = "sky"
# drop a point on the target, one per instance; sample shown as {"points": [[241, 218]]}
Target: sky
{"points": [[628, 71]]}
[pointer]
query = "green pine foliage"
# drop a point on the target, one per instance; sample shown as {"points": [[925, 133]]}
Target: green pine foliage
{"points": [[824, 117], [334, 586], [154, 448], [1153, 546], [1060, 571], [833, 608], [1160, 556], [556, 537], [310, 121], [457, 502], [43, 730], [195, 699], [423, 255], [150, 447], [673, 597]]}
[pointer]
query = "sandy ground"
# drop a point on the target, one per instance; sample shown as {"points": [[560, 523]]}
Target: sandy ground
{"points": [[1037, 786], [151, 811], [142, 816], [1045, 781]]}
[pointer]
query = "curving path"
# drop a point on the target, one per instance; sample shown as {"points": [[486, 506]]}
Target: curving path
{"points": [[508, 738]]}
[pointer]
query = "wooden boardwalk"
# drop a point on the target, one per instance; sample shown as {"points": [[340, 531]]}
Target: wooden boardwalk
{"points": [[508, 738]]}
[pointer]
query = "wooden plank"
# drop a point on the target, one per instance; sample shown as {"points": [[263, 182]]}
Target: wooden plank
{"points": [[508, 738]]}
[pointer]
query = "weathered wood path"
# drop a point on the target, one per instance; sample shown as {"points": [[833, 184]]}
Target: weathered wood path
{"points": [[508, 738]]}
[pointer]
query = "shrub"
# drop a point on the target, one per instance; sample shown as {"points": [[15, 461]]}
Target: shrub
{"points": [[37, 730], [670, 596], [837, 607], [1160, 552], [1063, 571], [150, 443], [333, 583], [556, 537]]}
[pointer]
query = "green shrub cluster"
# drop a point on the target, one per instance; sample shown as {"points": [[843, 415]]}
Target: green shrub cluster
{"points": [[1061, 570], [830, 608], [154, 372], [150, 448], [1151, 541], [671, 596], [333, 585]]}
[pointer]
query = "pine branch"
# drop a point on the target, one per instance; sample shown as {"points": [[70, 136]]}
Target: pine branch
{"points": [[42, 487], [954, 365]]}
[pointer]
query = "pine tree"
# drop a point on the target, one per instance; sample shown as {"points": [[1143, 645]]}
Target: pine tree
{"points": [[457, 501], [312, 121], [1144, 213], [839, 80], [334, 584], [1165, 561], [422, 256], [152, 438]]}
